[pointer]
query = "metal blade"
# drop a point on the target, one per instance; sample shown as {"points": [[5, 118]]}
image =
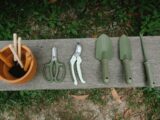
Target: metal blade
{"points": [[125, 48], [104, 47]]}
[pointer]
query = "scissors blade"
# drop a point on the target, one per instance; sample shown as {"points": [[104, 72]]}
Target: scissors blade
{"points": [[54, 54]]}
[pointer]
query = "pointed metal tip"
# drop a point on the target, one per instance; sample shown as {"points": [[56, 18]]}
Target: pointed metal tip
{"points": [[102, 36], [123, 35], [141, 34]]}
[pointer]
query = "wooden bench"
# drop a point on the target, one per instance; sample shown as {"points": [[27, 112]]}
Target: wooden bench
{"points": [[90, 66]]}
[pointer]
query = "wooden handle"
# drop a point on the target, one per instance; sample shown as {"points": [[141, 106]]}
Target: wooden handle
{"points": [[19, 48], [16, 56], [28, 61], [5, 60], [15, 44]]}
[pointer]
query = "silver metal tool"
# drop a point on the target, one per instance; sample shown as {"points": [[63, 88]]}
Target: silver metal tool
{"points": [[76, 59]]}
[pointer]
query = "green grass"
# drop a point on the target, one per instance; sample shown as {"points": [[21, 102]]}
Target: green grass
{"points": [[11, 99], [39, 19]]}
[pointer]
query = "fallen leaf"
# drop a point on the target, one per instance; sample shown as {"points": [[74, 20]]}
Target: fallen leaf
{"points": [[116, 116], [115, 95], [80, 97], [127, 113]]}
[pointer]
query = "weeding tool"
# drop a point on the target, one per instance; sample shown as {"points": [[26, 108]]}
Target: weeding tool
{"points": [[16, 56], [104, 53], [18, 68], [54, 71], [126, 56], [147, 65], [76, 59]]}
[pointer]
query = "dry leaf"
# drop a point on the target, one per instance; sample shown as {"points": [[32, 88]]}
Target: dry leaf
{"points": [[127, 113], [80, 97], [115, 95]]}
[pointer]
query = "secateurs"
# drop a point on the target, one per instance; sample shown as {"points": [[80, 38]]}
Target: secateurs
{"points": [[54, 71], [76, 59]]}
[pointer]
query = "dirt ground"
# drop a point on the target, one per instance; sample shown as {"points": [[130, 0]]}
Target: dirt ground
{"points": [[79, 107]]}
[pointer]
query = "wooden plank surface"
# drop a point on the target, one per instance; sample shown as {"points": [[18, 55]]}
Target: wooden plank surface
{"points": [[90, 66]]}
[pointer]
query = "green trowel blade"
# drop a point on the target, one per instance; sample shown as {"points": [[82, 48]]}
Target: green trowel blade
{"points": [[104, 47], [125, 48]]}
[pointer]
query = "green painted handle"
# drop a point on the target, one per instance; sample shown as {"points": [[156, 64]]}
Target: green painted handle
{"points": [[149, 74], [105, 71], [127, 70]]}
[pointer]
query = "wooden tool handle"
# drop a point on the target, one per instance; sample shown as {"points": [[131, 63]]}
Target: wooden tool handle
{"points": [[16, 56], [15, 44], [5, 60], [19, 48]]}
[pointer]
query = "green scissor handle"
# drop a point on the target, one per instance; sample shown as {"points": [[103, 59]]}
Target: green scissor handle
{"points": [[54, 71]]}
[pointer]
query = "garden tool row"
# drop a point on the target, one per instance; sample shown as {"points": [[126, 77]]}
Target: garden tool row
{"points": [[56, 70], [104, 53], [18, 58]]}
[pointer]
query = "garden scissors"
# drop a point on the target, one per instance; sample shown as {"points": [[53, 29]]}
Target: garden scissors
{"points": [[55, 70], [76, 59]]}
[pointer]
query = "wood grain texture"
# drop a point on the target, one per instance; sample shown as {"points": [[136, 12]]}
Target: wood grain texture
{"points": [[90, 66]]}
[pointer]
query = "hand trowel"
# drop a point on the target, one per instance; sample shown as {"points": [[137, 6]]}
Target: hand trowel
{"points": [[104, 53], [126, 56]]}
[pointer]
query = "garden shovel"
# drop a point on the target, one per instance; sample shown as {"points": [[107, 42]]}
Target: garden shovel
{"points": [[126, 56], [104, 53]]}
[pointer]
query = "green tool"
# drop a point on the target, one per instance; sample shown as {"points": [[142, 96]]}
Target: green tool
{"points": [[54, 70], [147, 65], [104, 53], [126, 55]]}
